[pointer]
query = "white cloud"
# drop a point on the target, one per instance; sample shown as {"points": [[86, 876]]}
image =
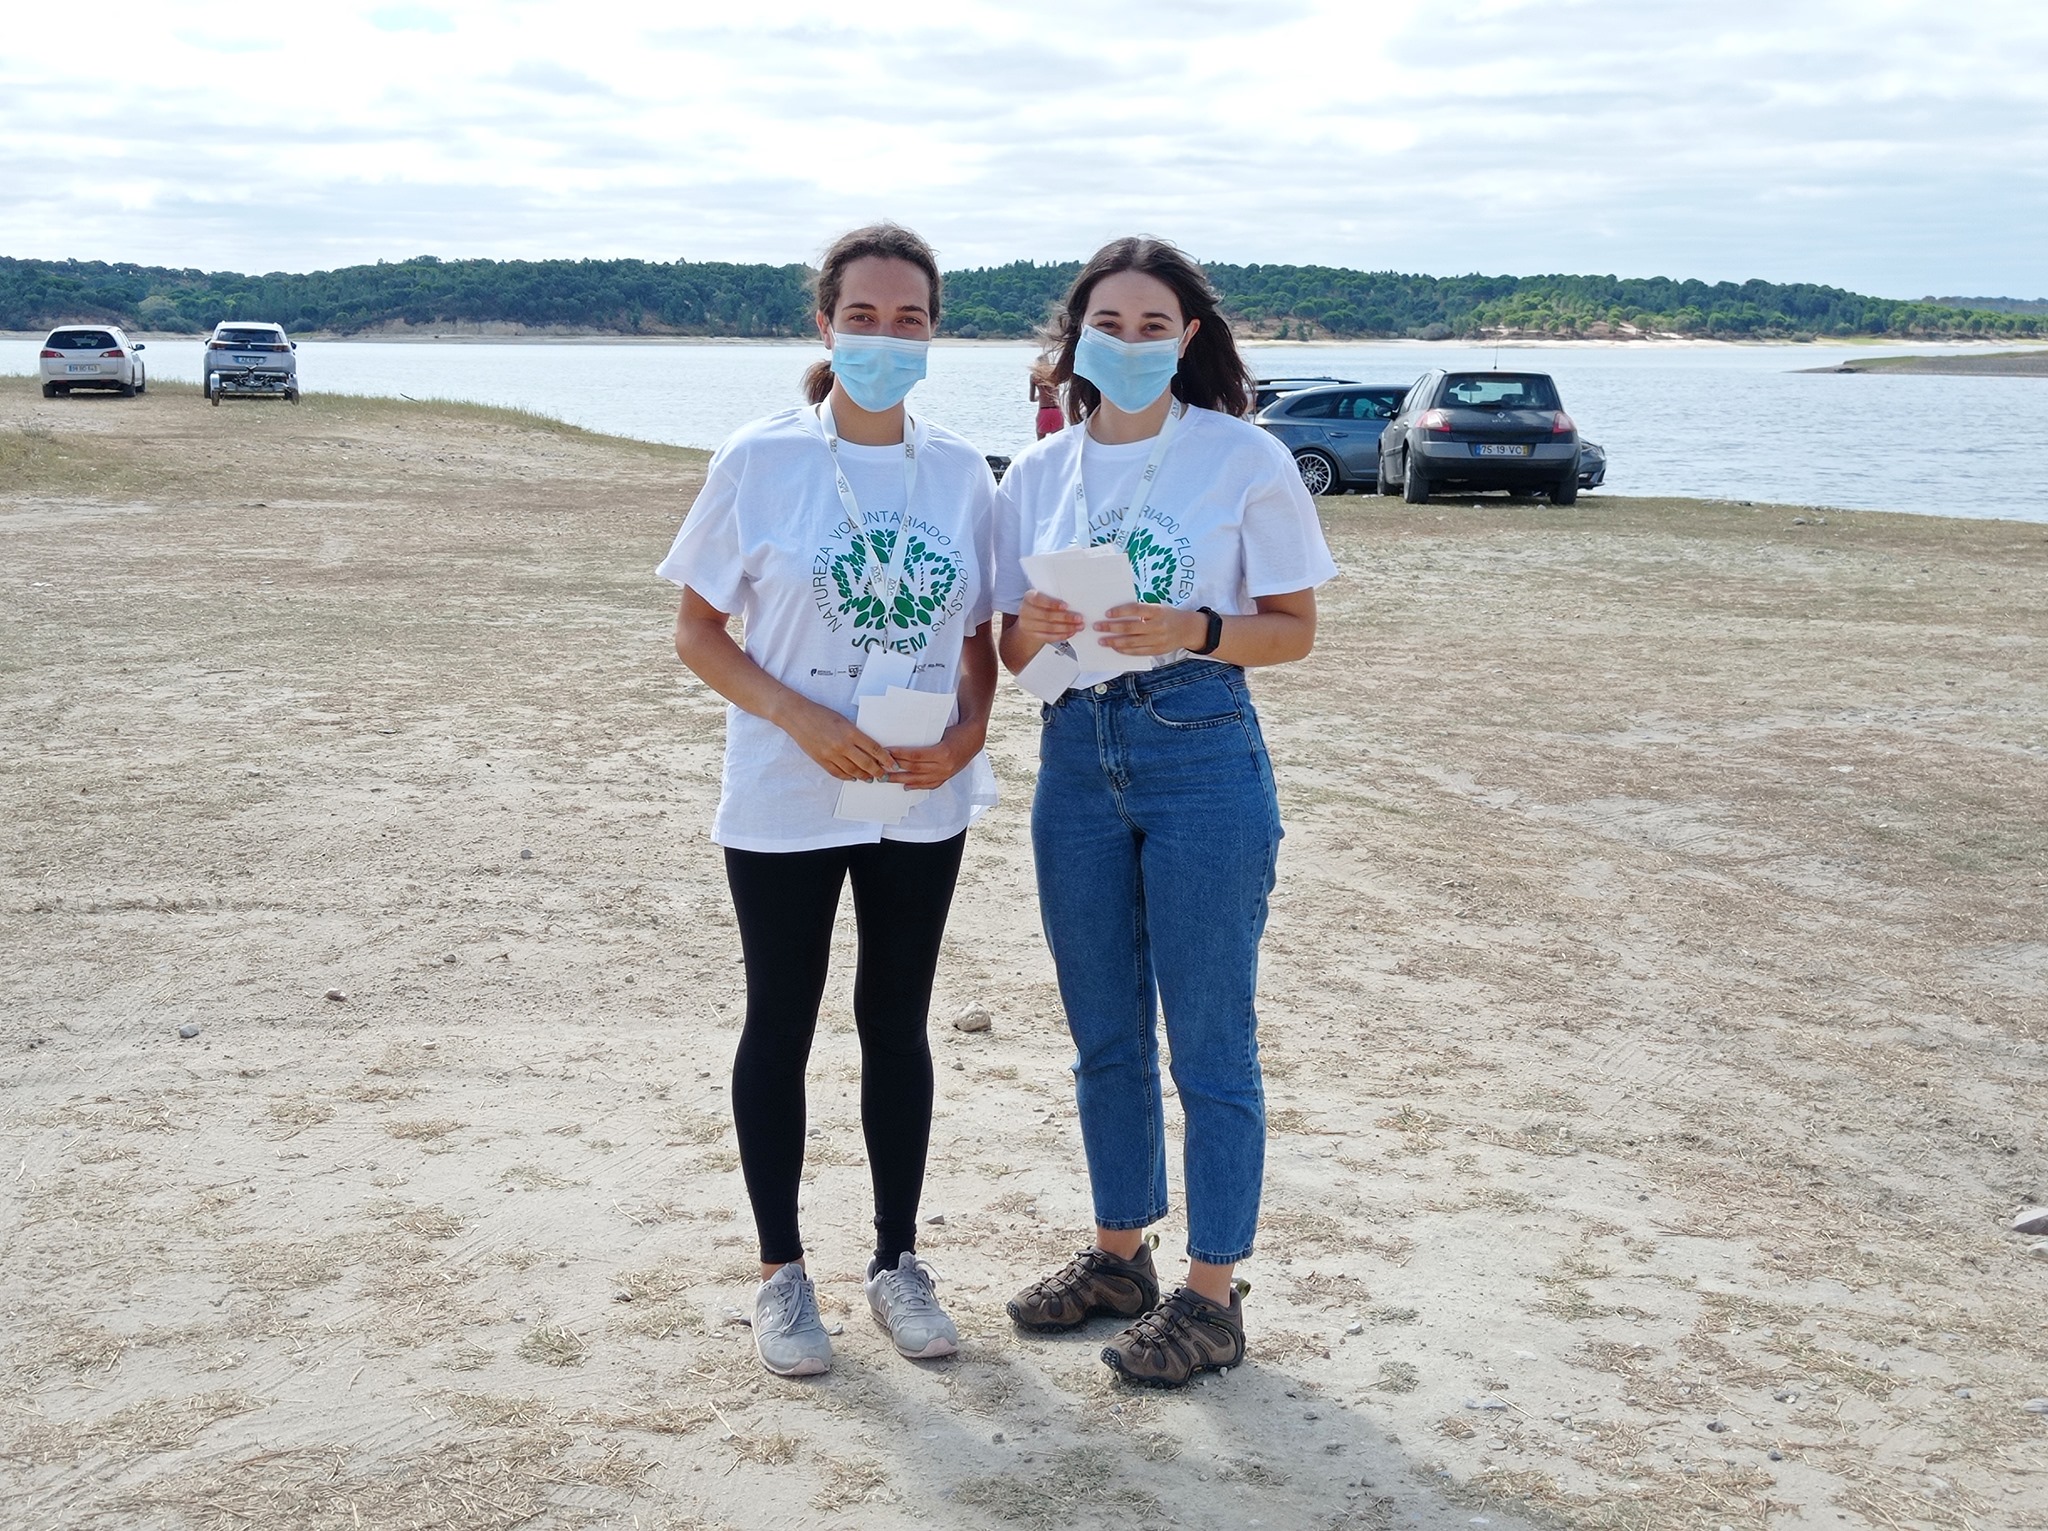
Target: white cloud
{"points": [[1892, 145]]}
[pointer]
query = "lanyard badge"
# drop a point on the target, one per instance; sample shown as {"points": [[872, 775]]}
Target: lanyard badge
{"points": [[883, 667], [1141, 497]]}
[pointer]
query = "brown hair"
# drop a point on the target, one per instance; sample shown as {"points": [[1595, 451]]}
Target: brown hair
{"points": [[884, 241], [1212, 375]]}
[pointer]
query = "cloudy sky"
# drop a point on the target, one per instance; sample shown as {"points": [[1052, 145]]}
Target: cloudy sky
{"points": [[1891, 146]]}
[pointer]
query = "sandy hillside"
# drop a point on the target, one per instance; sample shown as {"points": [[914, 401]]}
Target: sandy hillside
{"points": [[1656, 1012]]}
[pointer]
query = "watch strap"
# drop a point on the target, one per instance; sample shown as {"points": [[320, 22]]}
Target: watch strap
{"points": [[1215, 634]]}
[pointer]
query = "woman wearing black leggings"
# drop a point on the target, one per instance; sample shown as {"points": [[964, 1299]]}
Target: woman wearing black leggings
{"points": [[854, 542]]}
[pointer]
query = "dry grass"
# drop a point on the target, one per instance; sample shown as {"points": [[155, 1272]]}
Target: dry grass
{"points": [[151, 1425], [1076, 1487], [487, 1482], [553, 1345], [279, 1266], [430, 1130], [422, 1222]]}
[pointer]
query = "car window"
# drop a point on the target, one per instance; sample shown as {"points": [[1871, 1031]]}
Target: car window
{"points": [[250, 337], [80, 340], [1368, 406], [1496, 390], [1315, 406]]}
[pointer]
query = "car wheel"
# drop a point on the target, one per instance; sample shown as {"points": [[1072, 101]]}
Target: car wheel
{"points": [[1565, 491], [126, 390], [49, 390], [142, 382], [1414, 482], [1380, 481], [1318, 473], [291, 395]]}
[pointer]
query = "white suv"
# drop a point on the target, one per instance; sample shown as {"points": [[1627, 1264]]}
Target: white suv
{"points": [[244, 358], [91, 356]]}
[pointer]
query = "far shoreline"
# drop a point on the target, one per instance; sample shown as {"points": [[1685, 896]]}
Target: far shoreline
{"points": [[1966, 348]]}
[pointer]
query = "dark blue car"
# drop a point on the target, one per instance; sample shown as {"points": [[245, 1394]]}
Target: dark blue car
{"points": [[1334, 432]]}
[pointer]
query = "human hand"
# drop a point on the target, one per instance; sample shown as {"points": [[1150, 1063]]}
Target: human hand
{"points": [[837, 745], [934, 765], [1142, 628], [1045, 620]]}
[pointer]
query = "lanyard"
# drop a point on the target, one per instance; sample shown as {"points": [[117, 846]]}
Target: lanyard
{"points": [[1141, 497], [888, 579]]}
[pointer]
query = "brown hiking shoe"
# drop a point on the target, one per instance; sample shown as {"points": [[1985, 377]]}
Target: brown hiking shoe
{"points": [[1184, 1335], [1093, 1282]]}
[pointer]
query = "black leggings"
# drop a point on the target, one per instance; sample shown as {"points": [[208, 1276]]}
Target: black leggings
{"points": [[786, 901]]}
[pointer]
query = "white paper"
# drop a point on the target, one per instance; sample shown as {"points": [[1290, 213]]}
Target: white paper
{"points": [[1050, 673], [1091, 580], [883, 669], [896, 717]]}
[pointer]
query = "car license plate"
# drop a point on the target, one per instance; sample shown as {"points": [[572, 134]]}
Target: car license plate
{"points": [[1500, 449], [248, 361], [83, 367]]}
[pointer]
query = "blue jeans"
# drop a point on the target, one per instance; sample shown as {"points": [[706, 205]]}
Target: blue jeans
{"points": [[1156, 830]]}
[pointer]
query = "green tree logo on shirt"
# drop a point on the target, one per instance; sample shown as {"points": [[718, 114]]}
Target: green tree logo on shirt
{"points": [[1153, 566], [929, 579]]}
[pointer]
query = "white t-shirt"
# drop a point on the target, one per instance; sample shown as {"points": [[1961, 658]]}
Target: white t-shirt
{"points": [[1227, 519], [768, 541]]}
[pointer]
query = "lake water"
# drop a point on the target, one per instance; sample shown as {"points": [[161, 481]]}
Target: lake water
{"points": [[1718, 421]]}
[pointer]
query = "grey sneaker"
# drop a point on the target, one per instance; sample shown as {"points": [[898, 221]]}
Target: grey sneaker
{"points": [[905, 1304], [789, 1337]]}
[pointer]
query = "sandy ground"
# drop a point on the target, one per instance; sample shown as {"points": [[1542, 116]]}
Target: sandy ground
{"points": [[1996, 364], [1655, 1020]]}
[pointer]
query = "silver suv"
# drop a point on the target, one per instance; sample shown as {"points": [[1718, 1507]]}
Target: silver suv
{"points": [[250, 360]]}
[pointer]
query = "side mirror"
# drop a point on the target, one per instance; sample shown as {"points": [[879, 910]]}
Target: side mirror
{"points": [[140, 346], [295, 345]]}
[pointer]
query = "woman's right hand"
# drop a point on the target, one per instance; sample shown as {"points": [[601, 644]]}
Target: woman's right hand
{"points": [[1044, 620], [836, 744]]}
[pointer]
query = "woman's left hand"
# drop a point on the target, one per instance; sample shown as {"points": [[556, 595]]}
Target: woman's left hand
{"points": [[1140, 628], [936, 764]]}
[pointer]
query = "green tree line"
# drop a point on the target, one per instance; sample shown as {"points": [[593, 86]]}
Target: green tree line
{"points": [[632, 297]]}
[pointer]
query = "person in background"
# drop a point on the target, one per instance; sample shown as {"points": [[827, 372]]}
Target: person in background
{"points": [[1156, 827], [855, 544], [1046, 393]]}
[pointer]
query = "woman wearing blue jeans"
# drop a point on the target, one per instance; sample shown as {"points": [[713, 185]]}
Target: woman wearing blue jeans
{"points": [[1156, 826]]}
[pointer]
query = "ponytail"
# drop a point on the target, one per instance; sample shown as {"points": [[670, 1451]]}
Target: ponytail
{"points": [[817, 381]]}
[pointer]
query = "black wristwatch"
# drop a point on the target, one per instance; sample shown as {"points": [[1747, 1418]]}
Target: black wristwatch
{"points": [[1215, 635]]}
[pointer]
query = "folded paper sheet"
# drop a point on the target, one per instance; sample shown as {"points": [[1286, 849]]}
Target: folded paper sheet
{"points": [[1091, 580], [895, 717], [1051, 671]]}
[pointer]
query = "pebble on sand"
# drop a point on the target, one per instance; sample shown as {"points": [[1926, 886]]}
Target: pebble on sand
{"points": [[974, 1018], [2036, 1405], [526, 855], [336, 995], [2032, 1220], [188, 1032]]}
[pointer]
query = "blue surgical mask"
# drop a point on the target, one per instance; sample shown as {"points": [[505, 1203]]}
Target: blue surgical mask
{"points": [[877, 371], [1131, 374]]}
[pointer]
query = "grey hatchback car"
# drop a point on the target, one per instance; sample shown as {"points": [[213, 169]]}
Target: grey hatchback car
{"points": [[1481, 430], [1334, 433]]}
